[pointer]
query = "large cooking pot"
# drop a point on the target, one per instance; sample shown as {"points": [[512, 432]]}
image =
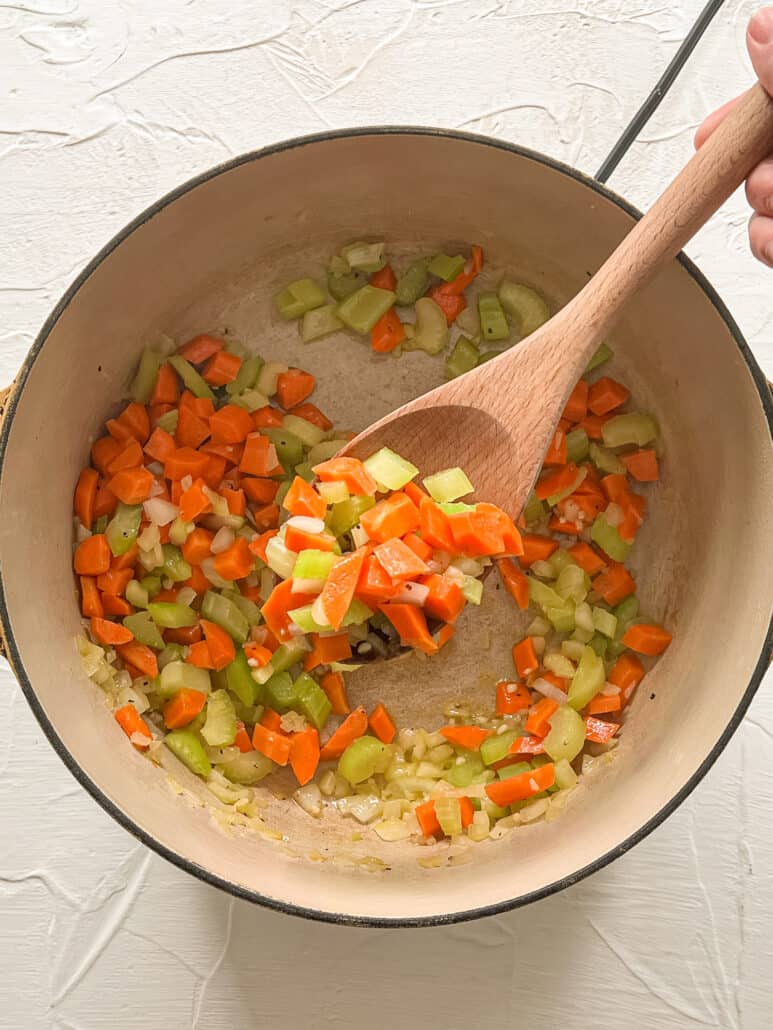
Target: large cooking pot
{"points": [[209, 256]]}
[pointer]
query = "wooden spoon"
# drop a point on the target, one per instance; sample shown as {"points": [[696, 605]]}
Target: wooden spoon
{"points": [[497, 421]]}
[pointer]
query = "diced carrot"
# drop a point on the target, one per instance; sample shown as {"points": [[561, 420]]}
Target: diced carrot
{"points": [[557, 525], [538, 722], [556, 454], [109, 633], [221, 646], [511, 538], [140, 656], [231, 424], [132, 723], [160, 445], [257, 653], [134, 418], [325, 650], [273, 745], [166, 390], [593, 425], [114, 580], [85, 496], [556, 482], [374, 585], [258, 546], [527, 746], [335, 688], [627, 673], [399, 561], [304, 754], [411, 624], [201, 347], [266, 418], [395, 516], [514, 581], [353, 726], [261, 491], [338, 592], [114, 605], [588, 560], [599, 730], [91, 604], [236, 562], [303, 499], [235, 499], [221, 368], [191, 430], [384, 278], [387, 333], [415, 492], [581, 506], [476, 533], [614, 584], [232, 452], [281, 601], [647, 638], [259, 457], [428, 820], [602, 704], [183, 708], [132, 486], [185, 462], [524, 785], [197, 580], [293, 387], [92, 556], [349, 471], [311, 413], [634, 507], [272, 721], [606, 395], [194, 501], [198, 546], [119, 432], [157, 412], [525, 657], [266, 517], [127, 560], [615, 488], [419, 547], [468, 737], [242, 739], [105, 502], [382, 724], [435, 527], [445, 600], [642, 465], [103, 451], [511, 697], [577, 406], [129, 457], [451, 304], [466, 811], [537, 548]]}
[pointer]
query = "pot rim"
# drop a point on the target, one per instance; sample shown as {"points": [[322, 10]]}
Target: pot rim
{"points": [[343, 918]]}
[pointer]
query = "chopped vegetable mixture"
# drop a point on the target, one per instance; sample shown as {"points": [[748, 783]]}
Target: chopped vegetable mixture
{"points": [[232, 568]]}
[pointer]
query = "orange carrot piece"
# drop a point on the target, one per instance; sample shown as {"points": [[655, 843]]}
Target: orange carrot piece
{"points": [[201, 347], [272, 720], [556, 454], [537, 548], [259, 457], [525, 657], [258, 546], [198, 546], [627, 673], [305, 754], [157, 411], [132, 486], [538, 722], [194, 501], [411, 625], [85, 496], [199, 656], [339, 587], [419, 547], [395, 516], [642, 465], [349, 471], [445, 600], [165, 390], [242, 739], [91, 603], [415, 492], [444, 635], [103, 451], [140, 656], [221, 368], [191, 430], [384, 278], [183, 708], [266, 517], [293, 387], [614, 584], [132, 723], [134, 418], [303, 499], [602, 704], [468, 737], [526, 746], [282, 601], [374, 585], [517, 788], [647, 638], [511, 697], [221, 646], [435, 527], [129, 457], [236, 562], [109, 633], [399, 561], [261, 491], [599, 730], [451, 304], [311, 413], [556, 482], [92, 556], [114, 605], [387, 333], [382, 724], [127, 560], [615, 488], [273, 745], [257, 653], [514, 581], [160, 445], [593, 425], [235, 499], [197, 581], [353, 726], [266, 418], [231, 424], [605, 395], [428, 820], [466, 810], [114, 580], [335, 688], [299, 540], [577, 406], [326, 650]]}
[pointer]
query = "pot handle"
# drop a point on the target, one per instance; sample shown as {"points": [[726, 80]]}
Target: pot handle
{"points": [[5, 399]]}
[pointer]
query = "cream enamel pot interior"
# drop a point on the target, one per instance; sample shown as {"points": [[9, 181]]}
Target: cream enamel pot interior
{"points": [[209, 257]]}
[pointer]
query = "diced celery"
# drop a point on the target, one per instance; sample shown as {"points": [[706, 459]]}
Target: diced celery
{"points": [[364, 257], [246, 377], [543, 595], [606, 460], [627, 610], [269, 377], [147, 373], [287, 655], [487, 355], [389, 469], [493, 324], [554, 499], [323, 451], [560, 559], [151, 584], [299, 297], [306, 471], [171, 652], [144, 629], [238, 679], [122, 529], [493, 811], [190, 377], [463, 358], [572, 648], [309, 434], [514, 769], [524, 305], [342, 286], [346, 514], [178, 675], [455, 507], [248, 608], [168, 421], [561, 616], [472, 589], [280, 693], [312, 700], [588, 679], [289, 448], [445, 267], [313, 564], [320, 322], [431, 329], [333, 492], [627, 429], [576, 446], [179, 532], [413, 283], [599, 644], [449, 815], [566, 737], [250, 400], [566, 777], [462, 774], [364, 757], [170, 615], [361, 310], [572, 583], [279, 559], [136, 595], [608, 539], [176, 567], [189, 749], [538, 627], [583, 636], [219, 730], [559, 664], [605, 622], [248, 768], [304, 620], [223, 611], [100, 524], [603, 353], [534, 511], [448, 485], [496, 747]]}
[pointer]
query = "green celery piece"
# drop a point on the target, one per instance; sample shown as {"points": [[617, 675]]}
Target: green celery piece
{"points": [[100, 525], [627, 610], [603, 353], [190, 377], [605, 622], [269, 377], [389, 469], [313, 564], [325, 450], [448, 485], [287, 655], [238, 679], [189, 749], [279, 559], [605, 460], [413, 283], [246, 377], [364, 257], [171, 652], [168, 421], [123, 528], [135, 594], [346, 514], [304, 620], [145, 379], [251, 400], [566, 777], [449, 815], [633, 428], [560, 559], [515, 769], [178, 532], [463, 358], [587, 680], [472, 589], [494, 812], [247, 769], [543, 595], [493, 324], [487, 355], [445, 267], [299, 297], [523, 304], [364, 757], [219, 729], [534, 511], [312, 700], [320, 322], [576, 446], [309, 434], [496, 747], [280, 692], [608, 539], [248, 608], [463, 774], [225, 613], [554, 499], [305, 471], [176, 567], [151, 584], [342, 286], [561, 616], [566, 737], [600, 644], [289, 448], [180, 675], [356, 613], [170, 615], [572, 583], [431, 330], [144, 629], [361, 310], [614, 648], [455, 507]]}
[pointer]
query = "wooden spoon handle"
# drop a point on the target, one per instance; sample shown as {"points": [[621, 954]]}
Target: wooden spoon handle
{"points": [[742, 140]]}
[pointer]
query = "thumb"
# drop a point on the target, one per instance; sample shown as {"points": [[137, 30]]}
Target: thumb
{"points": [[759, 40]]}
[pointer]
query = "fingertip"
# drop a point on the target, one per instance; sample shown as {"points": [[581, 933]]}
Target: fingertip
{"points": [[759, 41], [761, 238]]}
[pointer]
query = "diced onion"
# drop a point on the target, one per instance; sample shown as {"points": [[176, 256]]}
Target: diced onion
{"points": [[609, 690], [318, 612], [187, 595], [222, 540], [614, 514], [186, 482], [308, 586], [160, 512], [310, 799], [307, 524], [550, 690], [359, 536], [412, 593], [149, 538]]}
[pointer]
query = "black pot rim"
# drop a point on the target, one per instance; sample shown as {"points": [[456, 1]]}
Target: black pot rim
{"points": [[343, 918]]}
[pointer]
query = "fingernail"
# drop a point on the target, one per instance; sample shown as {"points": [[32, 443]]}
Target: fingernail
{"points": [[761, 26], [767, 253]]}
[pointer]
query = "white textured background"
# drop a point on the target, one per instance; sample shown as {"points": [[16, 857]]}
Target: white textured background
{"points": [[105, 106]]}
